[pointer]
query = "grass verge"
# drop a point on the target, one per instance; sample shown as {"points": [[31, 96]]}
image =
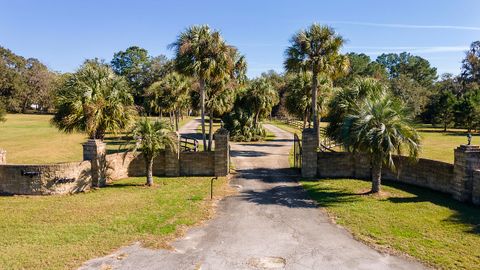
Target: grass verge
{"points": [[427, 225], [30, 139], [61, 232]]}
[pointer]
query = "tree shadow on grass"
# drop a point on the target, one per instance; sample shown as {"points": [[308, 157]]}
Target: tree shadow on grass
{"points": [[464, 213]]}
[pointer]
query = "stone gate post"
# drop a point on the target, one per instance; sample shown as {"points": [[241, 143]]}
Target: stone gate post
{"points": [[172, 158], [222, 152], [309, 153], [95, 152], [467, 161]]}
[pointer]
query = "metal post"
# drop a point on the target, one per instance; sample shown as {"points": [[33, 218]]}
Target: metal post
{"points": [[211, 187]]}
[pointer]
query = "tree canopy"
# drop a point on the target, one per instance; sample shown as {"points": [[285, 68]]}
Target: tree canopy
{"points": [[94, 100]]}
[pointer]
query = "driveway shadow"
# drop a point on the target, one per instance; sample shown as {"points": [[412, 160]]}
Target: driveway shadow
{"points": [[288, 196]]}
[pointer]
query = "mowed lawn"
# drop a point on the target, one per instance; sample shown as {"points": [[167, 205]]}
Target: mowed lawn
{"points": [[61, 232], [436, 144], [31, 139], [427, 225]]}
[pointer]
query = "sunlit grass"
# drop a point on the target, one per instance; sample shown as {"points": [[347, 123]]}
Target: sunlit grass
{"points": [[424, 224], [436, 144], [61, 232], [31, 139]]}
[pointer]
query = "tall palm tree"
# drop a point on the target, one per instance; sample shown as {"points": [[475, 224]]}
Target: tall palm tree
{"points": [[94, 100], [150, 139], [170, 94], [223, 87], [380, 126], [202, 53], [261, 98], [316, 49]]}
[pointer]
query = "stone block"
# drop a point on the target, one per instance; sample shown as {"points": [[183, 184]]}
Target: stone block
{"points": [[309, 153]]}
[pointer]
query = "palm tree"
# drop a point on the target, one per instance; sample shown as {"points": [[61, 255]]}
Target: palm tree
{"points": [[379, 125], [170, 94], [94, 100], [150, 139], [316, 49], [222, 89], [298, 95], [203, 54], [261, 98]]}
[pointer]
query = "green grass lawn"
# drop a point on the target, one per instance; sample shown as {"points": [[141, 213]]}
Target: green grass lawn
{"points": [[436, 144], [30, 139], [61, 232], [427, 225], [439, 145]]}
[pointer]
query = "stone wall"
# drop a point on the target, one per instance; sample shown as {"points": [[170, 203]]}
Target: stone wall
{"points": [[461, 179], [97, 167], [50, 179], [197, 163], [123, 165], [427, 173]]}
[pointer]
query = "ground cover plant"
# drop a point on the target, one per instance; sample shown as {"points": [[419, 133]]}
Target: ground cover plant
{"points": [[61, 232], [444, 233]]}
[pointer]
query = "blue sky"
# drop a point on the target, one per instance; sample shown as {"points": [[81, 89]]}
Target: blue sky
{"points": [[64, 33]]}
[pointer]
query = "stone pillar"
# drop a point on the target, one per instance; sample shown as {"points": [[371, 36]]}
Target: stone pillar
{"points": [[172, 158], [467, 160], [476, 188], [222, 152], [3, 157], [309, 153], [95, 152]]}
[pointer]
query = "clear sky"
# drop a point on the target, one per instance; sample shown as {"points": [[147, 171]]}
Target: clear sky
{"points": [[64, 33]]}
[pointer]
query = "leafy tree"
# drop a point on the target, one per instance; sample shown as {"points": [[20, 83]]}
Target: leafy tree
{"points": [[441, 107], [204, 55], [379, 126], [24, 82], [140, 69], [94, 100], [414, 67], [2, 113], [361, 66], [316, 49], [170, 94], [412, 94], [150, 139], [471, 64], [467, 110]]}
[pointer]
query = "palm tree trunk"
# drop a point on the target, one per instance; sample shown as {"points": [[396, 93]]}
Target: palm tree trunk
{"points": [[176, 120], [149, 167], [202, 112], [376, 176], [255, 120], [314, 99], [210, 132]]}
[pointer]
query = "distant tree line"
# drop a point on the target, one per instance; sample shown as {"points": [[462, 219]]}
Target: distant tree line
{"points": [[25, 83], [447, 100]]}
